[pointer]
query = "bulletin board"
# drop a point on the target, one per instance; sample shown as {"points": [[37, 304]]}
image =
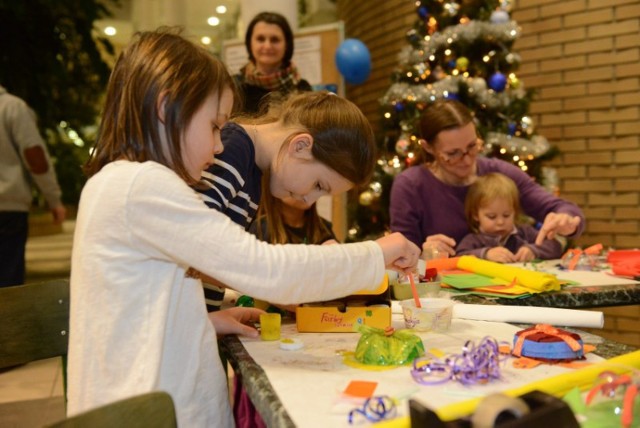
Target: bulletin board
{"points": [[314, 55]]}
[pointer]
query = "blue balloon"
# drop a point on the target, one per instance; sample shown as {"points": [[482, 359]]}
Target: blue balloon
{"points": [[353, 61]]}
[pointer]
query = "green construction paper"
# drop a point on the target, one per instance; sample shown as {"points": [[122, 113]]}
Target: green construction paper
{"points": [[574, 399], [471, 280]]}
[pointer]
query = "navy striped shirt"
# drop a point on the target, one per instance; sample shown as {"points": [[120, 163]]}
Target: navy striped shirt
{"points": [[232, 184]]}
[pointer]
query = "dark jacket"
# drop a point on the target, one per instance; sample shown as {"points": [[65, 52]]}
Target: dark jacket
{"points": [[253, 94], [477, 244]]}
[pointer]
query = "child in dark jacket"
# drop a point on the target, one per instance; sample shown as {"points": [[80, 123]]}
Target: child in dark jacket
{"points": [[492, 207]]}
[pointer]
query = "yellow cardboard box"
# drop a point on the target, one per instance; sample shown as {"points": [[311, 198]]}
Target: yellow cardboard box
{"points": [[372, 308]]}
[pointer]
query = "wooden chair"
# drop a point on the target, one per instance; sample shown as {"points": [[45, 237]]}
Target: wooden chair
{"points": [[35, 322], [151, 410]]}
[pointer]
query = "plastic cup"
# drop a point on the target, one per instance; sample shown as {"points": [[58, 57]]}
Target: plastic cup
{"points": [[434, 315], [402, 290], [270, 326]]}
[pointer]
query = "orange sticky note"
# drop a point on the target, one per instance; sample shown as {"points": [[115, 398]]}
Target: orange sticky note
{"points": [[360, 388]]}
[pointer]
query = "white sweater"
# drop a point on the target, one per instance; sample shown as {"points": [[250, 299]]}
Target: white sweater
{"points": [[138, 324]]}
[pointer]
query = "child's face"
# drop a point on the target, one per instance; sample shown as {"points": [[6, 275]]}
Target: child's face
{"points": [[301, 182], [496, 217], [201, 139]]}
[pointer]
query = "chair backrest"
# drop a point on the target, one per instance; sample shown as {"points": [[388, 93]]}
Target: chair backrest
{"points": [[34, 322], [150, 410]]}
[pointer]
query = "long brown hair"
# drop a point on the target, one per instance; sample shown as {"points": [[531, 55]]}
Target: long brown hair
{"points": [[343, 139], [159, 69], [270, 209], [484, 190], [441, 115]]}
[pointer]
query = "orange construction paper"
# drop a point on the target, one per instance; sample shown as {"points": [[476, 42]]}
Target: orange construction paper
{"points": [[361, 388], [450, 263]]}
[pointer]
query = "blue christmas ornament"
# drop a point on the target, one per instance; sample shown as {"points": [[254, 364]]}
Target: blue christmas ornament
{"points": [[498, 81], [353, 61], [413, 36], [423, 12], [398, 107], [452, 96], [511, 127]]}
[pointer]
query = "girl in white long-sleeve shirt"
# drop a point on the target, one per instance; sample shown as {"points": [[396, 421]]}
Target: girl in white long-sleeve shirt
{"points": [[138, 319]]}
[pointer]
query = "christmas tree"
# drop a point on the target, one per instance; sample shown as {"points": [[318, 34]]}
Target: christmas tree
{"points": [[460, 50]]}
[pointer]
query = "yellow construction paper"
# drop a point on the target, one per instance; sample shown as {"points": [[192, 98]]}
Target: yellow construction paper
{"points": [[534, 282]]}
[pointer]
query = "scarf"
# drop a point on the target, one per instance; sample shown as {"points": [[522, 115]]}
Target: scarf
{"points": [[285, 79]]}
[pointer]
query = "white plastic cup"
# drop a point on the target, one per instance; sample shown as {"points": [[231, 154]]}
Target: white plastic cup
{"points": [[434, 315]]}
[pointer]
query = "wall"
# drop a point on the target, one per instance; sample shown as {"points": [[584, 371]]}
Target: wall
{"points": [[583, 57]]}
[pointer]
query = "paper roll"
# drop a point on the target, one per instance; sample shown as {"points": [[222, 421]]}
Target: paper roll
{"points": [[536, 282], [529, 315]]}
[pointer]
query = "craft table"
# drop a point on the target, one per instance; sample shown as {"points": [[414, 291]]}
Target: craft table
{"points": [[598, 289], [303, 388], [569, 297]]}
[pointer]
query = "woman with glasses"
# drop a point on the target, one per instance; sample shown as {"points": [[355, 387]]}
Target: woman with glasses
{"points": [[427, 200]]}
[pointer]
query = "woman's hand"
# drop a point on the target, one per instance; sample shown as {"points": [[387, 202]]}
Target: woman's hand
{"points": [[435, 246], [500, 255], [236, 320], [557, 224], [400, 254]]}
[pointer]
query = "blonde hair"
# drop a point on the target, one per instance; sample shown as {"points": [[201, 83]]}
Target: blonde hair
{"points": [[343, 139], [157, 66], [487, 188]]}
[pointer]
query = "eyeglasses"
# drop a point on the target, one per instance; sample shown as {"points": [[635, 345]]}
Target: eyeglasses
{"points": [[456, 156]]}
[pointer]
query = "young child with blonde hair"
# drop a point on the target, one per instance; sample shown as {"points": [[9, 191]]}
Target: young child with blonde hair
{"points": [[138, 321], [492, 209]]}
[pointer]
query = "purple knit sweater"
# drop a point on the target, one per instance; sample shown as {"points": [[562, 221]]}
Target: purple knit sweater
{"points": [[422, 205], [478, 244]]}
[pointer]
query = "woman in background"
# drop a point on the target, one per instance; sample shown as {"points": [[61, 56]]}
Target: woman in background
{"points": [[427, 200], [269, 42]]}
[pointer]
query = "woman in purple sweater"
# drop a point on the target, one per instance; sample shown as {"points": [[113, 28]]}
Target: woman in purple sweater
{"points": [[427, 200]]}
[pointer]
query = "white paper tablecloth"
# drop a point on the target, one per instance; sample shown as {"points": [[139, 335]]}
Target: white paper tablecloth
{"points": [[310, 381]]}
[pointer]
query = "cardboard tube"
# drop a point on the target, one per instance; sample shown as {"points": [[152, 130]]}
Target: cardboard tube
{"points": [[529, 315]]}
